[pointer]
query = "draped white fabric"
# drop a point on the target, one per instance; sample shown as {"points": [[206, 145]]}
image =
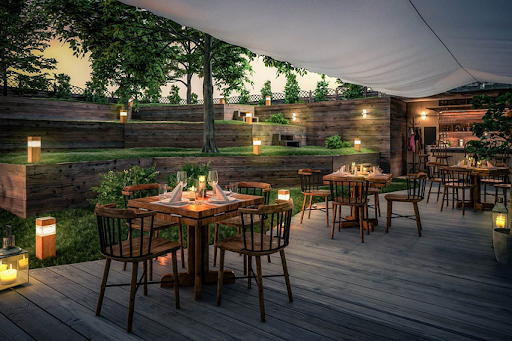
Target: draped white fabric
{"points": [[407, 48]]}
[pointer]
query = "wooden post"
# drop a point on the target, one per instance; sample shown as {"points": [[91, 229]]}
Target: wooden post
{"points": [[123, 116], [268, 100], [248, 118], [256, 146], [357, 145], [34, 149], [45, 237]]}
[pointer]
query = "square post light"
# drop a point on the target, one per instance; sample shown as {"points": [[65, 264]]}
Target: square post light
{"points": [[248, 118], [222, 100], [357, 145], [283, 194], [256, 146], [34, 149], [46, 229], [123, 116], [268, 100]]}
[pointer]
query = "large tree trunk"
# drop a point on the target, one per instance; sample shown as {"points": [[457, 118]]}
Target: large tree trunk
{"points": [[209, 143], [189, 88]]}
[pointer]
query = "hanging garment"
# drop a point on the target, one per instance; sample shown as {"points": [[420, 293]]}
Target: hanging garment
{"points": [[411, 143]]}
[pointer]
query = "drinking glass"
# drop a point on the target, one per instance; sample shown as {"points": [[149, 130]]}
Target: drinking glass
{"points": [[182, 178], [233, 188], [213, 178], [162, 191]]}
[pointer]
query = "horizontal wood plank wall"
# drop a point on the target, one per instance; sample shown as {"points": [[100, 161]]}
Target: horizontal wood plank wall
{"points": [[188, 113], [323, 119], [186, 135], [57, 135], [67, 185], [398, 135], [13, 193], [29, 108], [265, 132]]}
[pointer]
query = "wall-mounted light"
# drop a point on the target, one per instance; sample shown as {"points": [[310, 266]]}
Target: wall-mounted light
{"points": [[123, 116], [248, 117], [423, 115], [364, 113], [46, 230], [34, 149], [268, 100], [294, 117], [256, 146], [357, 145], [283, 194]]}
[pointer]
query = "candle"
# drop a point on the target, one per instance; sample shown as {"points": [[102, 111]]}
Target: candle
{"points": [[23, 263], [8, 276], [500, 221], [202, 180]]}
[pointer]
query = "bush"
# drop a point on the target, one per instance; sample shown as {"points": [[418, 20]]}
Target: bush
{"points": [[112, 183], [62, 86], [194, 98], [244, 97], [335, 142], [266, 91], [291, 89], [278, 118], [95, 92], [193, 171], [321, 90], [174, 95]]}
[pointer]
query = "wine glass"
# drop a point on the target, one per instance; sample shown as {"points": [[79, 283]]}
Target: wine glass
{"points": [[233, 188], [162, 190], [213, 178], [182, 178]]}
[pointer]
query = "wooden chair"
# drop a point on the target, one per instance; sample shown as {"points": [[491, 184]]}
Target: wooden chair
{"points": [[440, 152], [252, 242], [354, 194], [145, 190], [112, 230], [495, 179], [251, 188], [310, 181], [434, 176], [415, 194], [504, 188], [376, 203], [456, 179]]}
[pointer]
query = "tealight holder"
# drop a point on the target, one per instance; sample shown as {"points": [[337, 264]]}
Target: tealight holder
{"points": [[13, 263]]}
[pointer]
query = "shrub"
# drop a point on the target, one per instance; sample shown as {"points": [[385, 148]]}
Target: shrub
{"points": [[112, 183], [291, 89], [335, 142], [95, 92], [174, 95], [62, 86], [278, 118], [193, 171], [266, 91], [194, 98], [321, 90], [244, 96]]}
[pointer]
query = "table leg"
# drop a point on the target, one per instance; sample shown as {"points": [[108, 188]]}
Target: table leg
{"points": [[198, 285]]}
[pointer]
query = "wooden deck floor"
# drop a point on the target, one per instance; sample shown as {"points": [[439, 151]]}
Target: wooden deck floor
{"points": [[445, 285]]}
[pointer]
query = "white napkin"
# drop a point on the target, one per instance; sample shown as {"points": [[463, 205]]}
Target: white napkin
{"points": [[219, 194], [460, 164], [176, 195], [490, 165], [376, 172]]}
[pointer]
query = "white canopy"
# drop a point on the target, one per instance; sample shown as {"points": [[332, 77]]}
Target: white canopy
{"points": [[407, 48]]}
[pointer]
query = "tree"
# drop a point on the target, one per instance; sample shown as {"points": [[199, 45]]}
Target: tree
{"points": [[321, 90], [265, 91], [350, 91], [174, 95], [244, 96], [291, 89], [24, 36]]}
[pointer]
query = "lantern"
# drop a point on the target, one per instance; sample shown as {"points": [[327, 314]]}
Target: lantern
{"points": [[283, 194], [34, 149], [500, 215], [364, 113], [46, 229], [248, 118], [123, 116], [357, 145], [256, 146], [13, 262], [268, 100]]}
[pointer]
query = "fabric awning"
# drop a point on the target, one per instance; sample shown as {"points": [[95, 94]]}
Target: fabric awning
{"points": [[407, 48]]}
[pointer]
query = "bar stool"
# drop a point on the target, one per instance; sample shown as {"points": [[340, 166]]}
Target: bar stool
{"points": [[440, 152]]}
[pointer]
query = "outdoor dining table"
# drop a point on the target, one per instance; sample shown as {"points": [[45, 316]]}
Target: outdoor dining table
{"points": [[476, 175], [197, 218], [374, 181]]}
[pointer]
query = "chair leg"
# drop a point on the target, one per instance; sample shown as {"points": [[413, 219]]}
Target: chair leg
{"points": [[310, 204], [133, 290], [215, 239], [485, 192], [388, 215], [453, 197], [378, 203], [361, 224], [129, 237], [249, 272], [259, 280], [176, 280], [442, 199], [326, 212], [339, 217], [151, 270], [103, 286], [429, 190], [286, 275], [182, 248], [463, 201], [367, 214], [438, 190], [417, 214], [303, 208], [495, 195], [268, 259], [334, 209], [145, 271], [220, 276]]}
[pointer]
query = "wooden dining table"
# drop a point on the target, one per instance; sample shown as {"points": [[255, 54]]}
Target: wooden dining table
{"points": [[374, 181], [197, 218]]}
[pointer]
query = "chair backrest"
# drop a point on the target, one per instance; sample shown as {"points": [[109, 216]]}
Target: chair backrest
{"points": [[456, 176], [276, 217], [310, 179], [439, 149], [354, 190], [433, 170], [255, 188], [416, 185], [139, 191], [113, 229]]}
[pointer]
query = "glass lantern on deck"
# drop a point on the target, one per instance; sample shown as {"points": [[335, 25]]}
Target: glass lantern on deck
{"points": [[13, 263], [500, 215]]}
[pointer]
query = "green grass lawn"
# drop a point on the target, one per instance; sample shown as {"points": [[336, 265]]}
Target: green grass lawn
{"points": [[77, 233], [78, 155]]}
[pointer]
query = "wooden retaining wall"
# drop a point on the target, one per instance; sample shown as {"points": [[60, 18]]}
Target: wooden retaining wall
{"points": [[28, 190], [265, 132], [188, 113], [31, 108]]}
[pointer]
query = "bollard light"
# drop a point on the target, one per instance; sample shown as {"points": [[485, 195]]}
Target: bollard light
{"points": [[34, 149], [248, 118], [46, 229], [256, 146], [357, 145], [123, 116], [268, 100]]}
